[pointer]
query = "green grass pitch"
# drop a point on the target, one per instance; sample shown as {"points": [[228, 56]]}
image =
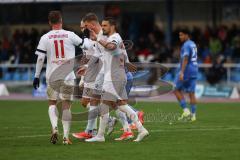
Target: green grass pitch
{"points": [[25, 132]]}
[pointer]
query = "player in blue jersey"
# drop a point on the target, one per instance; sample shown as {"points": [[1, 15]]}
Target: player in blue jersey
{"points": [[187, 75]]}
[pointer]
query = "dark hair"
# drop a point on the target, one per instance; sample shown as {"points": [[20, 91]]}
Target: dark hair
{"points": [[55, 17], [90, 17], [111, 21], [185, 30]]}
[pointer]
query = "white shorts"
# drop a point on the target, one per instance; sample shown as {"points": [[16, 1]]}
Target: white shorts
{"points": [[98, 86], [60, 90], [87, 91], [113, 91], [94, 89]]}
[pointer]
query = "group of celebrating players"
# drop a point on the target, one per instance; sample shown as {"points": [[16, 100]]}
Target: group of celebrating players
{"points": [[106, 78]]}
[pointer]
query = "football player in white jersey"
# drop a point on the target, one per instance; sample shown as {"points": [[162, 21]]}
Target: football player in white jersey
{"points": [[58, 45], [88, 83], [114, 93], [93, 84], [93, 78]]}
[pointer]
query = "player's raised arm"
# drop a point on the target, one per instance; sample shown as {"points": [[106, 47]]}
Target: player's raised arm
{"points": [[106, 44], [109, 29], [82, 42]]}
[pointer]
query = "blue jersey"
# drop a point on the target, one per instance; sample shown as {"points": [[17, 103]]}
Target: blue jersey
{"points": [[189, 49]]}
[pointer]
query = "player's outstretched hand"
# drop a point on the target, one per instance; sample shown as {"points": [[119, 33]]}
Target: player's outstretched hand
{"points": [[36, 83], [81, 71], [131, 67], [93, 35]]}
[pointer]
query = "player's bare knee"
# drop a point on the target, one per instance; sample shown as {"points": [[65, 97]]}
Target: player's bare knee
{"points": [[52, 102], [84, 102]]}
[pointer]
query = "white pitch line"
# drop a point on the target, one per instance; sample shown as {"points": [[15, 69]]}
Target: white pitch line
{"points": [[194, 129], [153, 131]]}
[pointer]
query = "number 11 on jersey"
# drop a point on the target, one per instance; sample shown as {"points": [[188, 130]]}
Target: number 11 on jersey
{"points": [[56, 48]]}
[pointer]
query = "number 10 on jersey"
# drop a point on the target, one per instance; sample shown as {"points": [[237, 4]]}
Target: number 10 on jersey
{"points": [[56, 42]]}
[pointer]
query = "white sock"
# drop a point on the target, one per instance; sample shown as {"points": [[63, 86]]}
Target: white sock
{"points": [[104, 112], [66, 122], [53, 115], [88, 106], [132, 115], [123, 119], [96, 122], [92, 118]]}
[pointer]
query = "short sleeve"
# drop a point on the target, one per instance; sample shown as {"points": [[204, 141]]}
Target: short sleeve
{"points": [[42, 47], [114, 39], [186, 51], [77, 41]]}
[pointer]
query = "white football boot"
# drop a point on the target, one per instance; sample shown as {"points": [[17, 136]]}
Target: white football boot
{"points": [[186, 113], [96, 139]]}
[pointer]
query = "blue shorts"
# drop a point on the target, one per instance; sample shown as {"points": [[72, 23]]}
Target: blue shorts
{"points": [[129, 86], [188, 85]]}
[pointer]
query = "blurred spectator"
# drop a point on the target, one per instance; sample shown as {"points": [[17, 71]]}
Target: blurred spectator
{"points": [[176, 54], [143, 52], [236, 48], [215, 46], [216, 72], [145, 55], [17, 54], [161, 52], [228, 51], [1, 58], [204, 54], [5, 49], [222, 33], [207, 34], [149, 47]]}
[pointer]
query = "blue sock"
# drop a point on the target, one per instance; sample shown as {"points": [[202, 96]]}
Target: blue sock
{"points": [[183, 103], [193, 108]]}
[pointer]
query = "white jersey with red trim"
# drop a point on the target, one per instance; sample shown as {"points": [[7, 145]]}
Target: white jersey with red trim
{"points": [[59, 47], [95, 70], [90, 51], [114, 60]]}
